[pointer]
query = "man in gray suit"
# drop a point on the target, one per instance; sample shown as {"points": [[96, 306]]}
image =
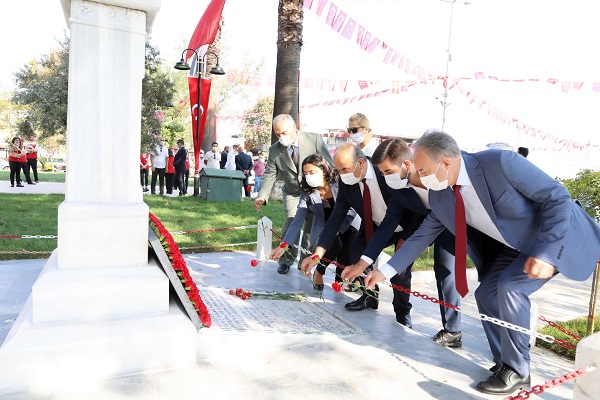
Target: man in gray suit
{"points": [[523, 227], [285, 158]]}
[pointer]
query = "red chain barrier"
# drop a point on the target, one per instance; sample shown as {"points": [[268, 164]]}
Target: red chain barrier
{"points": [[539, 389], [560, 328], [25, 252], [10, 236]]}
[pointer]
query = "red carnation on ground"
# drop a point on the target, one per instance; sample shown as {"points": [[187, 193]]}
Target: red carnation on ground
{"points": [[239, 291], [231, 292], [336, 286], [254, 263]]}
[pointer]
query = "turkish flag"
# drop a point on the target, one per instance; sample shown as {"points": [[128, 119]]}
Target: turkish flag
{"points": [[195, 111], [207, 27]]}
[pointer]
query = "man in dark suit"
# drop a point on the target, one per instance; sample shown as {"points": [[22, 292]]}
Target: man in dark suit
{"points": [[243, 162], [363, 189], [224, 155], [408, 195], [522, 227], [285, 159], [179, 165]]}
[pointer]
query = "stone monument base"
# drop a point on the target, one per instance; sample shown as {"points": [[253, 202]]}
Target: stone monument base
{"points": [[47, 349]]}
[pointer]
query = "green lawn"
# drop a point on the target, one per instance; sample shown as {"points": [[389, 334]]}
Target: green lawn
{"points": [[43, 176], [37, 215], [577, 326]]}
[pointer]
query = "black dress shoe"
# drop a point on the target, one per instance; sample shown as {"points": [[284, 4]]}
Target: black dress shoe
{"points": [[283, 268], [493, 369], [504, 381], [318, 287], [19, 185], [404, 320], [363, 302], [448, 339]]}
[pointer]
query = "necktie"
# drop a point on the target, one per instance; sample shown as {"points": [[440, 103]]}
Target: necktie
{"points": [[294, 155], [460, 249], [367, 211]]}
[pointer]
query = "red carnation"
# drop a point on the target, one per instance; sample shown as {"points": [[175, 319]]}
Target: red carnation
{"points": [[239, 291], [248, 188], [254, 263], [336, 286], [244, 296], [283, 245], [315, 258], [231, 292]]}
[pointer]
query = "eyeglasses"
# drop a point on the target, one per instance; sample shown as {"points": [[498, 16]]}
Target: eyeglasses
{"points": [[355, 129]]}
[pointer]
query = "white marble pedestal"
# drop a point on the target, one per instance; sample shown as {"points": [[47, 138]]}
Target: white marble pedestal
{"points": [[100, 309]]}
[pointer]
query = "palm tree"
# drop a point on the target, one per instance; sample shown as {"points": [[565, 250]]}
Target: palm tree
{"points": [[289, 43], [212, 57]]}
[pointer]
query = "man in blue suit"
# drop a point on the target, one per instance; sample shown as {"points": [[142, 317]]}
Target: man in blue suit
{"points": [[522, 229], [243, 162], [356, 173], [408, 195]]}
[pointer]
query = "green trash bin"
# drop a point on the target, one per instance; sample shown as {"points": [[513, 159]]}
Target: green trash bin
{"points": [[221, 184]]}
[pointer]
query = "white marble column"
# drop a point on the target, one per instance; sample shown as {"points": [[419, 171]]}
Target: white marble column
{"points": [[100, 308]]}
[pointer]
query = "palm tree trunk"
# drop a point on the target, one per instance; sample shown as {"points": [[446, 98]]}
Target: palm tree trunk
{"points": [[289, 44], [212, 56]]}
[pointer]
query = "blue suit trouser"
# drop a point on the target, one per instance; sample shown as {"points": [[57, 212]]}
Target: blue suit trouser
{"points": [[504, 294], [443, 267]]}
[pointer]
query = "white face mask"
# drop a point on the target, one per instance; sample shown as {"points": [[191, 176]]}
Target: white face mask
{"points": [[350, 178], [431, 181], [285, 140], [357, 137], [314, 180], [214, 149], [395, 182]]}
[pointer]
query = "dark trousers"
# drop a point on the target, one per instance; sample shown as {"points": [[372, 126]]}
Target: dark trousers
{"points": [[443, 267], [179, 177], [170, 178], [339, 251], [401, 301], [245, 183], [15, 172], [160, 174], [25, 168], [144, 177], [186, 179], [32, 163]]}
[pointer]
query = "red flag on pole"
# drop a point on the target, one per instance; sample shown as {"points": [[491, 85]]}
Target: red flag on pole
{"points": [[202, 110], [204, 34], [207, 27]]}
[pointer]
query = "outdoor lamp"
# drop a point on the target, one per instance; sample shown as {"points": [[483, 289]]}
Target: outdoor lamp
{"points": [[217, 69]]}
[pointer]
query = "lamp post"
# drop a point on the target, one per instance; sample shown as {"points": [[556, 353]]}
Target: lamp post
{"points": [[444, 102], [200, 70]]}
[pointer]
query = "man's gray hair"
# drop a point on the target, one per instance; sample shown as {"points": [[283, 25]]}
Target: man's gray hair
{"points": [[437, 144], [356, 152], [283, 118]]}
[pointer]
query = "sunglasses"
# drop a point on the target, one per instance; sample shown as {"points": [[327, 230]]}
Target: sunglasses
{"points": [[354, 130]]}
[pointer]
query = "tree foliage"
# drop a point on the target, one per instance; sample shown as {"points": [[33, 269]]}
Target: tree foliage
{"points": [[42, 86], [158, 88], [257, 124], [585, 187]]}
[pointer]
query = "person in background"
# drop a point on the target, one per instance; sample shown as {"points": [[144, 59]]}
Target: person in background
{"points": [[170, 171], [144, 168], [230, 165], [319, 192], [31, 148], [15, 154], [243, 162], [202, 165], [259, 170], [186, 176], [360, 133], [212, 159], [158, 158], [179, 165], [224, 155], [23, 163], [524, 151], [284, 164]]}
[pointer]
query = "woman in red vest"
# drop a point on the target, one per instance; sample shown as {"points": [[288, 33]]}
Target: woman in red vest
{"points": [[170, 172], [144, 167], [16, 155]]}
